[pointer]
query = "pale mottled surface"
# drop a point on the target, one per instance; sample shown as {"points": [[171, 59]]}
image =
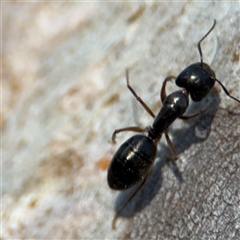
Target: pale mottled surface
{"points": [[64, 93]]}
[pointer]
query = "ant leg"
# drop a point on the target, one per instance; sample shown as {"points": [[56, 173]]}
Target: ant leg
{"points": [[137, 97], [170, 144], [163, 89], [199, 43], [172, 164], [192, 116], [226, 91], [133, 129], [130, 198]]}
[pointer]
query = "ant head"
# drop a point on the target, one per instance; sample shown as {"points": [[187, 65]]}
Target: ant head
{"points": [[197, 79]]}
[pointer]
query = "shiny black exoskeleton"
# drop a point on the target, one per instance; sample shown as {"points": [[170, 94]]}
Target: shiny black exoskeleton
{"points": [[134, 159], [131, 162], [198, 78]]}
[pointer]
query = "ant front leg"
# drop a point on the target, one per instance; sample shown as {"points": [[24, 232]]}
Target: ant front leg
{"points": [[163, 89], [133, 129], [192, 116]]}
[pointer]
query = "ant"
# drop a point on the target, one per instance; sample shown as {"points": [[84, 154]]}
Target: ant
{"points": [[134, 159]]}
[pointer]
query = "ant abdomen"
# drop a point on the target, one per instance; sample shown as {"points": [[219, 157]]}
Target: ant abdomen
{"points": [[131, 162], [198, 79]]}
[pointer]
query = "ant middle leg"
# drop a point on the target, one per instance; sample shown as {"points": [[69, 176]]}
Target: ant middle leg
{"points": [[170, 144], [172, 164], [170, 161], [137, 97]]}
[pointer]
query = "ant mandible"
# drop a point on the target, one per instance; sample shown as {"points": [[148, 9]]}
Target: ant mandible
{"points": [[134, 159]]}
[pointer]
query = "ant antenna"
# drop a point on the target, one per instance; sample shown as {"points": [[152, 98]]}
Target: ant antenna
{"points": [[226, 91], [199, 46]]}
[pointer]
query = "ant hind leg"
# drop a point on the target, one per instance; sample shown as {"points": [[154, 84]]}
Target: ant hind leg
{"points": [[133, 129], [130, 198]]}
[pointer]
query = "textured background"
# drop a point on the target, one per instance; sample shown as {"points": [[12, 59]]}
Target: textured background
{"points": [[64, 93]]}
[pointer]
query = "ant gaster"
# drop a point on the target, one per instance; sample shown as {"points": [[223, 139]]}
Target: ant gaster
{"points": [[134, 159]]}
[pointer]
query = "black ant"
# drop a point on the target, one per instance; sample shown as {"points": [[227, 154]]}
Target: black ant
{"points": [[134, 159]]}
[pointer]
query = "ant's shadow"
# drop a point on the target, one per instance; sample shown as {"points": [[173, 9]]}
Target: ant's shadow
{"points": [[196, 131]]}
